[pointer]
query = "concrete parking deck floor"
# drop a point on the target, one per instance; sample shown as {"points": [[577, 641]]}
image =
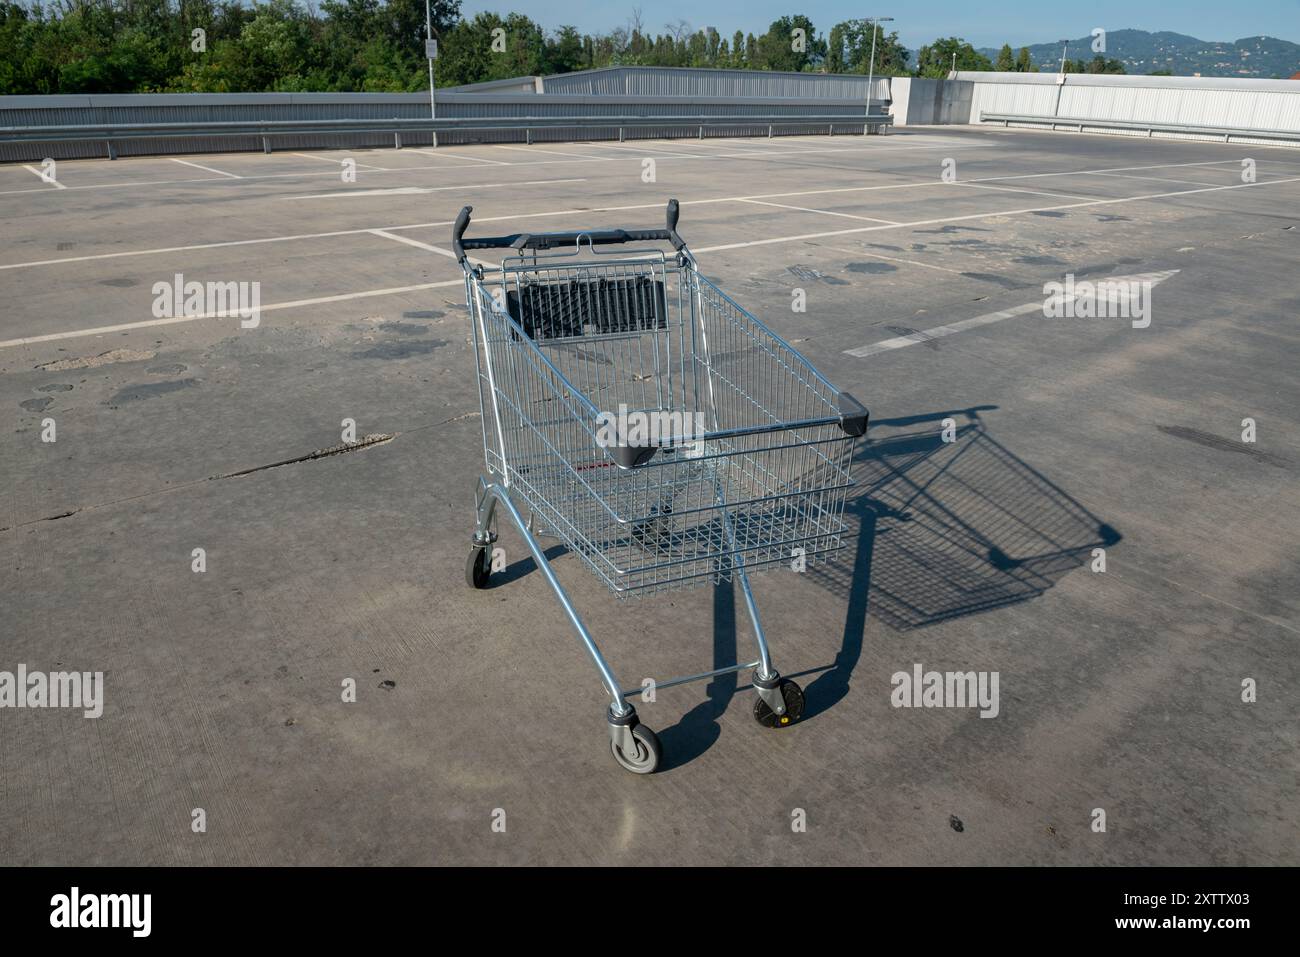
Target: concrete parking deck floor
{"points": [[1120, 690]]}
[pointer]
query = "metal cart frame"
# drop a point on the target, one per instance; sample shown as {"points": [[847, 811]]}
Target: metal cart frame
{"points": [[747, 465]]}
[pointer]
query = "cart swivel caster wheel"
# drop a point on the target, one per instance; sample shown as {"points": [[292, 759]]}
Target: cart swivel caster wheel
{"points": [[648, 753], [792, 694], [478, 567]]}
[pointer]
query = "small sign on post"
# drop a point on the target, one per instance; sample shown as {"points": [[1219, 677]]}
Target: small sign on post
{"points": [[431, 49]]}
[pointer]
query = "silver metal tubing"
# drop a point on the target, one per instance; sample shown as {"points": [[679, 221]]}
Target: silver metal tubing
{"points": [[765, 660], [674, 682], [495, 493]]}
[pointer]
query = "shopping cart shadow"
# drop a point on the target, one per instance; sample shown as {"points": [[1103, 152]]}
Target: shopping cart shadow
{"points": [[949, 523], [943, 523]]}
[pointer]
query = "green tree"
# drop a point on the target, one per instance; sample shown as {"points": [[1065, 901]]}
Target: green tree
{"points": [[934, 61], [1006, 62], [776, 48], [835, 62], [891, 55], [1024, 63]]}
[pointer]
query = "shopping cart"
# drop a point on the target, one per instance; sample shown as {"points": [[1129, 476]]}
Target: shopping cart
{"points": [[661, 432]]}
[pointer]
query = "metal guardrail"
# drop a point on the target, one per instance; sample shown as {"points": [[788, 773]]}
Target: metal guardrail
{"points": [[1082, 123], [268, 130]]}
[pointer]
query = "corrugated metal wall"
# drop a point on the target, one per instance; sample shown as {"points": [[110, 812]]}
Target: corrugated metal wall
{"points": [[204, 108], [1230, 103], [686, 81]]}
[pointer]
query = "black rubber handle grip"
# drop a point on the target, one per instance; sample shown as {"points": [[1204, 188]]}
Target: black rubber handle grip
{"points": [[458, 231], [597, 237]]}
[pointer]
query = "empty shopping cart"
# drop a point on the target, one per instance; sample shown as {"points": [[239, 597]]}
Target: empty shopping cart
{"points": [[661, 432]]}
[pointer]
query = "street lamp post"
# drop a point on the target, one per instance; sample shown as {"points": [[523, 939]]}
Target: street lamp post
{"points": [[871, 66], [430, 51]]}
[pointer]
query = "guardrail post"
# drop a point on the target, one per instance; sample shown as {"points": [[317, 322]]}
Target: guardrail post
{"points": [[266, 145], [112, 151], [769, 131], [620, 134], [701, 132], [528, 137], [397, 141]]}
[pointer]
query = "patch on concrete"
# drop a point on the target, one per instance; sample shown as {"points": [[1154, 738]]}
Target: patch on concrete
{"points": [[54, 387], [1006, 282], [1220, 444], [91, 362], [124, 282], [944, 230], [174, 368], [151, 390], [1049, 213], [1039, 261], [36, 405], [813, 275], [422, 314], [400, 350], [871, 268], [921, 337], [404, 328]]}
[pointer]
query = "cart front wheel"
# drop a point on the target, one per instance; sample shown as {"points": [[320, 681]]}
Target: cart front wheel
{"points": [[478, 567], [648, 753], [792, 694]]}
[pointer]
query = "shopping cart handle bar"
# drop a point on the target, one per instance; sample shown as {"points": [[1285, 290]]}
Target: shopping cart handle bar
{"points": [[596, 237], [853, 415]]}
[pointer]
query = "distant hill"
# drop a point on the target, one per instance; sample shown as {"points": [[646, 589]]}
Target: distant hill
{"points": [[1142, 52]]}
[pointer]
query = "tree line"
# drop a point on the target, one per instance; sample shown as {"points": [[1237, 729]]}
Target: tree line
{"points": [[223, 46]]}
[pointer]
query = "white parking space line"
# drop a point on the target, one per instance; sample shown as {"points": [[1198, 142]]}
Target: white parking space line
{"points": [[1005, 212], [538, 149], [644, 150], [412, 242], [632, 207], [1018, 189], [416, 190], [340, 162], [477, 159], [431, 248], [938, 332], [487, 219], [272, 307], [42, 177], [206, 169], [824, 212], [1158, 179], [1093, 172]]}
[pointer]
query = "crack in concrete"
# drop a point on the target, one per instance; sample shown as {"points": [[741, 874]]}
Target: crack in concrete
{"points": [[366, 442]]}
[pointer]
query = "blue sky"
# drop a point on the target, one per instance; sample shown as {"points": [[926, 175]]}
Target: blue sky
{"points": [[986, 23]]}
